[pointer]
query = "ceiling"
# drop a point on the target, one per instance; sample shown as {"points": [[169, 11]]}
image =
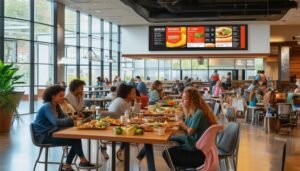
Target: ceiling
{"points": [[119, 13]]}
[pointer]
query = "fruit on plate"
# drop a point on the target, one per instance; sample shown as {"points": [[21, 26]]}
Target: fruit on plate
{"points": [[139, 131], [100, 124], [131, 130], [118, 130]]}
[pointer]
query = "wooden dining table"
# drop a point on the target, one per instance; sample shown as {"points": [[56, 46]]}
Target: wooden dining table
{"points": [[108, 134]]}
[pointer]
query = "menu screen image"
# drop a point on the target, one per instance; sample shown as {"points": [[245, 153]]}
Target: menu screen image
{"points": [[202, 37]]}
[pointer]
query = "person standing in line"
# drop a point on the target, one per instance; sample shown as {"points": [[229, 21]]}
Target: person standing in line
{"points": [[213, 80]]}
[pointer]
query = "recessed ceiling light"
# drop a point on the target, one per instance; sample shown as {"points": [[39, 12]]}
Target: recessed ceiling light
{"points": [[97, 11]]}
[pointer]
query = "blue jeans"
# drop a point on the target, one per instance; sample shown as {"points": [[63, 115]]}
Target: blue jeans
{"points": [[76, 146], [148, 151]]}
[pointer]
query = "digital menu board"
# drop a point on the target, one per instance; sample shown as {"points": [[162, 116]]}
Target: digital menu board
{"points": [[202, 37]]}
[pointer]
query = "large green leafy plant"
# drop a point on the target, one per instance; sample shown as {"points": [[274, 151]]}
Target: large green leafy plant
{"points": [[8, 80]]}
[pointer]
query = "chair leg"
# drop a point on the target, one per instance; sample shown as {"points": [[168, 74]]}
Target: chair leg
{"points": [[38, 159], [46, 159], [62, 157], [226, 163], [97, 156], [234, 163]]}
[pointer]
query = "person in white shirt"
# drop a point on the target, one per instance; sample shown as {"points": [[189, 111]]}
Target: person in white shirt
{"points": [[112, 94], [126, 95], [76, 95], [252, 86]]}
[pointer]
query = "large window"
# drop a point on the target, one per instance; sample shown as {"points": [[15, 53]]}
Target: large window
{"points": [[22, 40], [94, 42], [197, 69]]}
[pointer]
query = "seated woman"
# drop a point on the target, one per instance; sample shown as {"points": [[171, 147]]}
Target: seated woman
{"points": [[156, 93], [126, 94], [49, 119], [198, 117]]}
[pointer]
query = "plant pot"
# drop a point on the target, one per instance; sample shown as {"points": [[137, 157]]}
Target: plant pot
{"points": [[5, 120]]}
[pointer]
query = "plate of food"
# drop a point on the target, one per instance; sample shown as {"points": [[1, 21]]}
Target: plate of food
{"points": [[112, 121], [94, 124]]}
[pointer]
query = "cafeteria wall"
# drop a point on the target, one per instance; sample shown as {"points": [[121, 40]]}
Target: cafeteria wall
{"points": [[135, 40]]}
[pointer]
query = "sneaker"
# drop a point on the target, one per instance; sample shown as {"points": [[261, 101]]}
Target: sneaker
{"points": [[64, 168], [104, 153], [120, 155], [87, 165]]}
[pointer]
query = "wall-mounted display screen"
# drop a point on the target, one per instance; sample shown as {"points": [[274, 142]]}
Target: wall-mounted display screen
{"points": [[202, 37]]}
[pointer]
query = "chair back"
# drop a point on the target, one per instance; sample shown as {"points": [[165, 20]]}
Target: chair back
{"points": [[230, 112], [217, 109], [207, 144], [114, 115], [228, 140], [284, 109], [32, 135]]}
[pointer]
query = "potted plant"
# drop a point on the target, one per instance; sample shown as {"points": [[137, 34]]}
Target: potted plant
{"points": [[9, 99]]}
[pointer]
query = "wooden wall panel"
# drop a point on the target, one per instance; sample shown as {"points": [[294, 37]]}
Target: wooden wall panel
{"points": [[295, 65]]}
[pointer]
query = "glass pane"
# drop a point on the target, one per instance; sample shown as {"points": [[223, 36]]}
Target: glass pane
{"points": [[84, 73], [186, 64], [115, 46], [38, 97], [199, 63], [106, 30], [25, 70], [138, 63], [16, 51], [84, 40], [106, 44], [176, 74], [85, 56], [96, 42], [84, 23], [44, 76], [96, 27], [152, 63], [17, 9], [70, 20], [43, 11], [96, 71], [70, 38], [153, 74], [186, 73], [43, 33], [126, 75], [176, 64], [43, 53], [24, 104], [201, 75], [70, 55], [17, 29], [70, 73], [139, 72], [115, 34]]}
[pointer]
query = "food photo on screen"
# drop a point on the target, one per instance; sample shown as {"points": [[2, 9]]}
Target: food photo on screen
{"points": [[224, 36], [195, 37], [176, 37]]}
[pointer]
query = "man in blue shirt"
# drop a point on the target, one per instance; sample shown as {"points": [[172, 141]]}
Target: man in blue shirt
{"points": [[141, 86]]}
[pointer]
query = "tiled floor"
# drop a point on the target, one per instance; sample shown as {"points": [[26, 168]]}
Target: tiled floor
{"points": [[258, 151]]}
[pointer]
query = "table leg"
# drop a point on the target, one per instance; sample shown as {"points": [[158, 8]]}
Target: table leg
{"points": [[113, 156], [127, 157], [89, 149]]}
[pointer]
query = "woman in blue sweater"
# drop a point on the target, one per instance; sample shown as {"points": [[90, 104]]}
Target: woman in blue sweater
{"points": [[49, 119]]}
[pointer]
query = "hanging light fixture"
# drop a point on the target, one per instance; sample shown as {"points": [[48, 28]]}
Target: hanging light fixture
{"points": [[91, 56]]}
